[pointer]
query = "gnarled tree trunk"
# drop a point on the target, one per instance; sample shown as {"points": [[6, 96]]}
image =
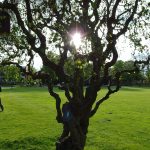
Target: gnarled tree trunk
{"points": [[74, 133]]}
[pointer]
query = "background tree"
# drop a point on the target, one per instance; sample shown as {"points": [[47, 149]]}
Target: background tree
{"points": [[48, 25], [11, 74], [135, 78], [148, 74]]}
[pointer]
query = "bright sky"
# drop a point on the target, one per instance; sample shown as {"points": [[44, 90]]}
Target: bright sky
{"points": [[37, 62]]}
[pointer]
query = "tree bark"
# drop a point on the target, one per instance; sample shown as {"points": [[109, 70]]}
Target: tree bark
{"points": [[74, 133], [74, 140]]}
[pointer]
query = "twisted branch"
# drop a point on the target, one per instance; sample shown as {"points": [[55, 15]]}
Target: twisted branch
{"points": [[117, 77], [58, 102]]}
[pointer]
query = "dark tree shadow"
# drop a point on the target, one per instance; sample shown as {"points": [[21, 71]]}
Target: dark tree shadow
{"points": [[30, 143]]}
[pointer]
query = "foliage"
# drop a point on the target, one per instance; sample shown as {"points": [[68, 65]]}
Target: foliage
{"points": [[45, 27], [128, 78], [148, 74], [11, 74]]}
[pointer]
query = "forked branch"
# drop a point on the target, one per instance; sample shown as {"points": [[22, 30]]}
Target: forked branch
{"points": [[117, 79]]}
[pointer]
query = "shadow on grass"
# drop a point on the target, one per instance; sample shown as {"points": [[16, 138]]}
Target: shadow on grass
{"points": [[30, 143]]}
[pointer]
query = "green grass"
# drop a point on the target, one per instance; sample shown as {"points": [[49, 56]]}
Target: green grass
{"points": [[28, 121]]}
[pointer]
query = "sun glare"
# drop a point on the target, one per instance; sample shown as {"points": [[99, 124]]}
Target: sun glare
{"points": [[76, 39]]}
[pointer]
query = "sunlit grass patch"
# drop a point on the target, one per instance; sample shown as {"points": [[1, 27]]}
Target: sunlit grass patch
{"points": [[28, 121]]}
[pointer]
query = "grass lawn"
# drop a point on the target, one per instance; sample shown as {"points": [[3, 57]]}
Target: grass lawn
{"points": [[28, 121]]}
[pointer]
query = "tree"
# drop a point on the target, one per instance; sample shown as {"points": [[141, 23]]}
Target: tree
{"points": [[134, 78], [11, 74], [48, 25], [127, 78], [148, 74]]}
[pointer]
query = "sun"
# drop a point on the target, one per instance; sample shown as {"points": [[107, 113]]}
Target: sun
{"points": [[76, 39]]}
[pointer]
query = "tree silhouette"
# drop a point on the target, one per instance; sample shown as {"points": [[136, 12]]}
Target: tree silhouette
{"points": [[47, 25]]}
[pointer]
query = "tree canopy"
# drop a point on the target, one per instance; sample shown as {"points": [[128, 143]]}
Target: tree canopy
{"points": [[39, 27]]}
